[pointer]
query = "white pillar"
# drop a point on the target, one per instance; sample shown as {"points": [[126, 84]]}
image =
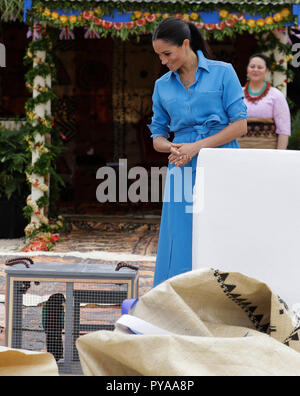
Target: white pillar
{"points": [[41, 111]]}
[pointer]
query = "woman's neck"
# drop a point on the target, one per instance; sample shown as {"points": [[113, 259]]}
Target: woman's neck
{"points": [[190, 65], [256, 86]]}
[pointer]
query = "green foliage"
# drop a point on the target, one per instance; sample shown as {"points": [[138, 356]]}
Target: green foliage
{"points": [[294, 141], [163, 6], [13, 161], [11, 10]]}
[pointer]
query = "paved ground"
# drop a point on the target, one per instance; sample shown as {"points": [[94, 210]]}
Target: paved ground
{"points": [[11, 245]]}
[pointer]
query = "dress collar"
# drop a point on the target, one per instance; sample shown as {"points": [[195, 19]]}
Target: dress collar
{"points": [[202, 61]]}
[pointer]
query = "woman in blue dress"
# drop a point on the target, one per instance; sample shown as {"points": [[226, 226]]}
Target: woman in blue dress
{"points": [[201, 101]]}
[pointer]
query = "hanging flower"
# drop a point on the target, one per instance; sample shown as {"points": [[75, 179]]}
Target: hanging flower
{"points": [[47, 12], [87, 15], [285, 12], [240, 17], [200, 25], [180, 16], [107, 24], [251, 23], [223, 14], [260, 22], [209, 26], [137, 14], [63, 19], [277, 17], [230, 22], [129, 25], [98, 11], [185, 17], [73, 19], [118, 25], [269, 20], [140, 22], [194, 16], [54, 15], [97, 21], [150, 18], [220, 26]]}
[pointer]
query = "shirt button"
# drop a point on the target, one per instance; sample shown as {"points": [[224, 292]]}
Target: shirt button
{"points": [[188, 107]]}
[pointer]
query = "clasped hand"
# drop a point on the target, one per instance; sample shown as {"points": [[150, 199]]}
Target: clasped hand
{"points": [[182, 153]]}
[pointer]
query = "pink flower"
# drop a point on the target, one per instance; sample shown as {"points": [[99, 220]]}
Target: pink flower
{"points": [[140, 22], [118, 25], [87, 15], [129, 25], [151, 18]]}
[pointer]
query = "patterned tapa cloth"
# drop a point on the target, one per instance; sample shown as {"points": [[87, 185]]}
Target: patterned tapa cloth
{"points": [[261, 129], [21, 363], [223, 324]]}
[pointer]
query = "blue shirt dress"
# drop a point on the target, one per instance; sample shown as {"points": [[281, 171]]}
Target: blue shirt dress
{"points": [[212, 102]]}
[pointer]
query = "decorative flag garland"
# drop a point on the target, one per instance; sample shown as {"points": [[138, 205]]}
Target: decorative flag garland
{"points": [[91, 34], [36, 35], [66, 33]]}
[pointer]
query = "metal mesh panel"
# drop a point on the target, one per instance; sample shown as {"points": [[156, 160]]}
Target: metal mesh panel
{"points": [[50, 316]]}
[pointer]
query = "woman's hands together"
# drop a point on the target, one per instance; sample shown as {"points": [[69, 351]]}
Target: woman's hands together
{"points": [[182, 153]]}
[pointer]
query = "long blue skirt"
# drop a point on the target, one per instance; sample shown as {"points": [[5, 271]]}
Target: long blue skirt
{"points": [[174, 252]]}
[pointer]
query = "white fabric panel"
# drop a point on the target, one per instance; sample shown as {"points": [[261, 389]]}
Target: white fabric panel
{"points": [[247, 216]]}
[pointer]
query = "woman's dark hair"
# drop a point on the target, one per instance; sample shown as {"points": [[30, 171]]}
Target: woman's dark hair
{"points": [[263, 57], [175, 31]]}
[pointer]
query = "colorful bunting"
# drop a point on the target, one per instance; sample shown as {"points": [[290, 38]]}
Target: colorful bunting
{"points": [[66, 33], [91, 34], [36, 32]]}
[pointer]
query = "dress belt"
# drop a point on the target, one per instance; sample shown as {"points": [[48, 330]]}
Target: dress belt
{"points": [[200, 130]]}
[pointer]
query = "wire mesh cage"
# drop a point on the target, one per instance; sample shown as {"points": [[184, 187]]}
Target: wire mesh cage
{"points": [[50, 305]]}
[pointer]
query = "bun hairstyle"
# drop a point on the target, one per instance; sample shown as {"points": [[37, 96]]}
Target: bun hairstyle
{"points": [[263, 57], [175, 31]]}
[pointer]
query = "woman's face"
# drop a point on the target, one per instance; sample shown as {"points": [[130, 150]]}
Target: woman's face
{"points": [[257, 69], [169, 54]]}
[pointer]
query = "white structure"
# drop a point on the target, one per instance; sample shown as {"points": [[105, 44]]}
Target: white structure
{"points": [[247, 216]]}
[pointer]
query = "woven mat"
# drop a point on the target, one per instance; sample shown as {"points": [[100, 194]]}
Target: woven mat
{"points": [[130, 238]]}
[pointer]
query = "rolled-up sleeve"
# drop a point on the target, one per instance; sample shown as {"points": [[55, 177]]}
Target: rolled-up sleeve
{"points": [[160, 120], [281, 115], [233, 96]]}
